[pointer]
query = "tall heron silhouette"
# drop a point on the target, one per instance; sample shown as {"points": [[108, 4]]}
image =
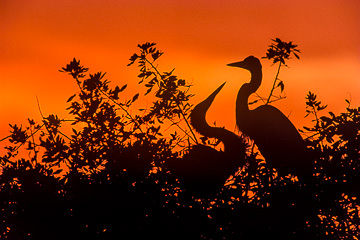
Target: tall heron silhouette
{"points": [[204, 169], [275, 136]]}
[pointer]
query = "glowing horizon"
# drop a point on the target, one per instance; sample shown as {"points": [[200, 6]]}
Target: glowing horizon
{"points": [[198, 37]]}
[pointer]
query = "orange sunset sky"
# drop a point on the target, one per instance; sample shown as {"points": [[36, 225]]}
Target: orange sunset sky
{"points": [[199, 37]]}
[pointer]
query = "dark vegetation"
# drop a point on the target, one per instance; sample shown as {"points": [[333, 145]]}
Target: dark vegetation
{"points": [[108, 178]]}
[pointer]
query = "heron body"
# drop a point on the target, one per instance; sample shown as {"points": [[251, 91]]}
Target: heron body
{"points": [[275, 136]]}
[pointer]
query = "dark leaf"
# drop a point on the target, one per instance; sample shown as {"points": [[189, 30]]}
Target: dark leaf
{"points": [[123, 88], [181, 82], [307, 128], [71, 98], [281, 85], [253, 102], [58, 171], [133, 59], [135, 97], [148, 91], [156, 55]]}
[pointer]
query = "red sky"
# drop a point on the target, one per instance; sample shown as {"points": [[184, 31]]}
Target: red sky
{"points": [[199, 37]]}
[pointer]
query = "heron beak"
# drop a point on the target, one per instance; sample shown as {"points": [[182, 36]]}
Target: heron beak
{"points": [[240, 64], [213, 95]]}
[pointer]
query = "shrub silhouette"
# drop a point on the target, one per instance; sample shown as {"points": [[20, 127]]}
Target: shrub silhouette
{"points": [[109, 177]]}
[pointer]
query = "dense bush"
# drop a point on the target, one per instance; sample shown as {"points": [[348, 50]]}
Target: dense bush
{"points": [[108, 178]]}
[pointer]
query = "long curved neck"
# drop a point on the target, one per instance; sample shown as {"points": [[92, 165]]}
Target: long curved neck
{"points": [[245, 91], [199, 123]]}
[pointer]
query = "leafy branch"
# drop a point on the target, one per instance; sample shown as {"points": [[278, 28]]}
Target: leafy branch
{"points": [[95, 84], [279, 52], [171, 92]]}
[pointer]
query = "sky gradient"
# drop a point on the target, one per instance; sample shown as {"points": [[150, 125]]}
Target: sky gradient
{"points": [[198, 37]]}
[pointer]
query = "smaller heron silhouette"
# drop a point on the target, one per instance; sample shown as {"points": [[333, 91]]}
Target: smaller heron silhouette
{"points": [[275, 136], [205, 169], [233, 144]]}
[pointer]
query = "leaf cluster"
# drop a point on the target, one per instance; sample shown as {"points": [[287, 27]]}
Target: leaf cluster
{"points": [[279, 51], [171, 92], [336, 138], [335, 142]]}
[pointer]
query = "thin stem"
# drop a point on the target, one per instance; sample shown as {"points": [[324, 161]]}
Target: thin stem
{"points": [[186, 133], [5, 138], [179, 141], [273, 87], [33, 140], [259, 97], [50, 133], [122, 108], [187, 123], [315, 114], [178, 105], [278, 98], [153, 67], [318, 126], [64, 135], [311, 136], [27, 137]]}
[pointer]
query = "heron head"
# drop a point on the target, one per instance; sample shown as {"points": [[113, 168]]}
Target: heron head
{"points": [[250, 63]]}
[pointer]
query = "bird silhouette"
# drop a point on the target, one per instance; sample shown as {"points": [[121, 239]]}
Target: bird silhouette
{"points": [[205, 169], [233, 144], [275, 136]]}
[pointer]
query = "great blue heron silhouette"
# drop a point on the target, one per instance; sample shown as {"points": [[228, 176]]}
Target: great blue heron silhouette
{"points": [[204, 169], [275, 136]]}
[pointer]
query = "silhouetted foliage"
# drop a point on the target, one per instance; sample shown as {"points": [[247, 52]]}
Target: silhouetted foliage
{"points": [[279, 51], [108, 178]]}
